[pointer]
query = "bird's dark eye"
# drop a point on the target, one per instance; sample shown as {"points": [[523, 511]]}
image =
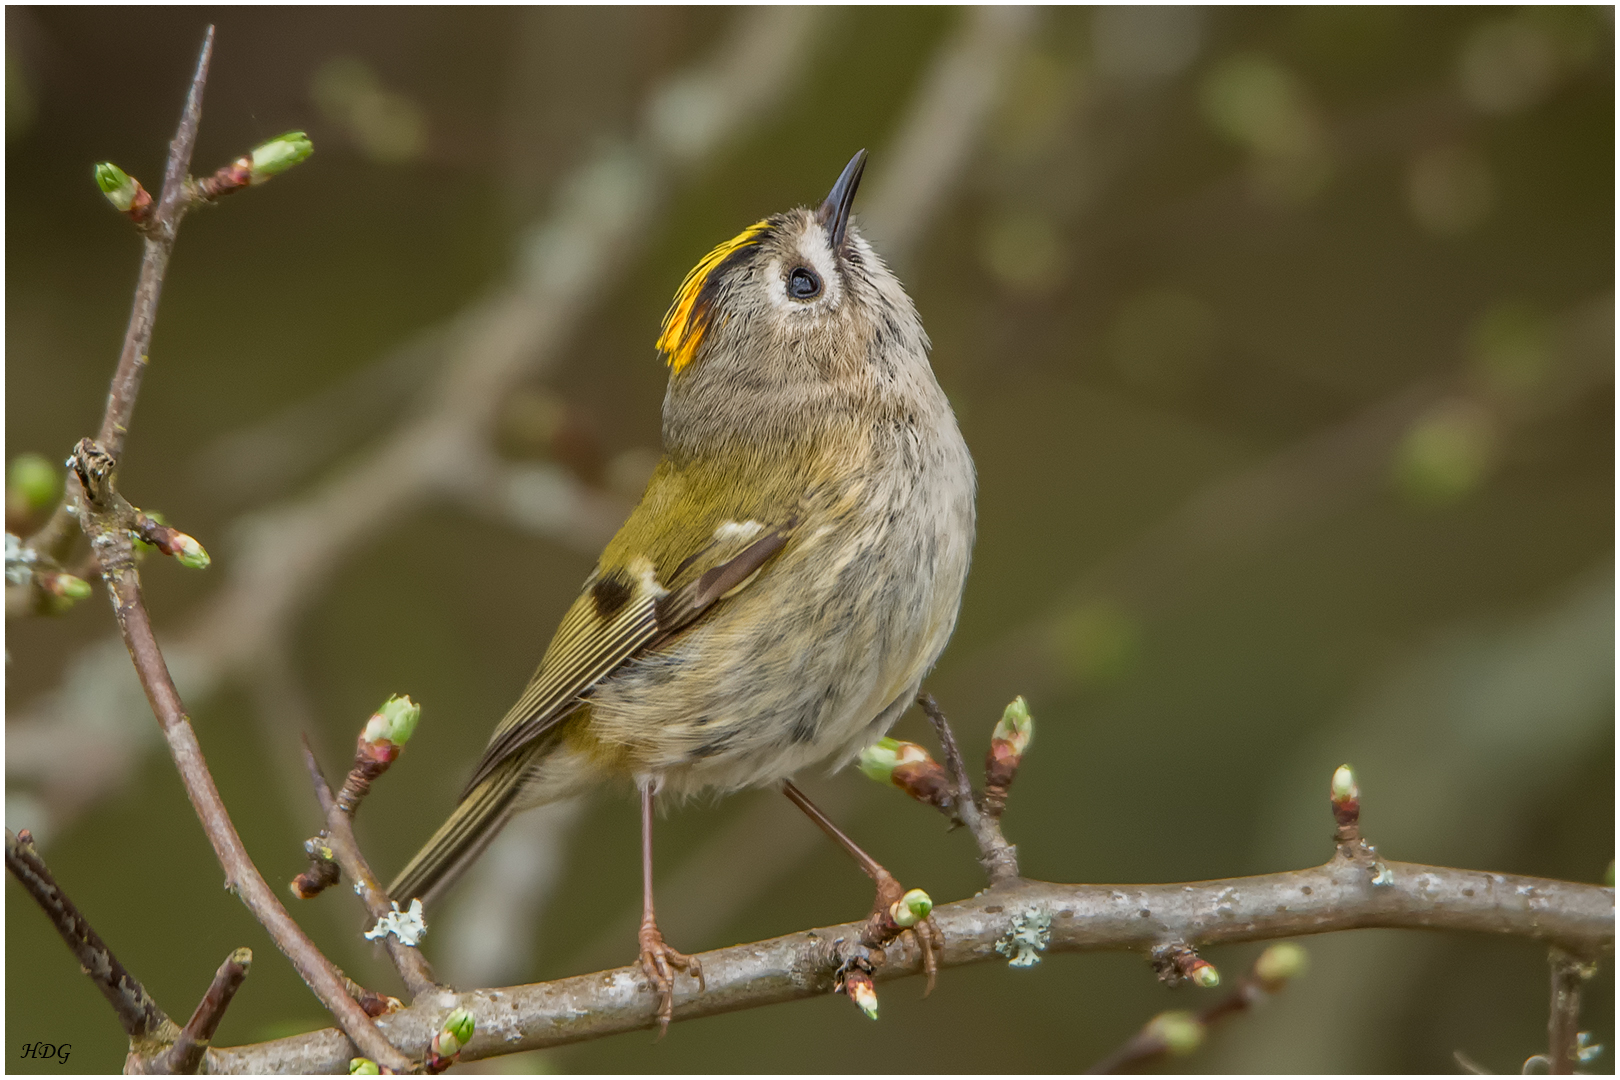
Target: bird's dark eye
{"points": [[803, 283]]}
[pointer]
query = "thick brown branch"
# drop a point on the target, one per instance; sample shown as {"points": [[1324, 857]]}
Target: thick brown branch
{"points": [[187, 1052], [1336, 896], [412, 965], [996, 855], [143, 1021], [103, 516]]}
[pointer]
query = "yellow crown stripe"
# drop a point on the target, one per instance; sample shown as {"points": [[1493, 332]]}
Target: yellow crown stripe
{"points": [[679, 337]]}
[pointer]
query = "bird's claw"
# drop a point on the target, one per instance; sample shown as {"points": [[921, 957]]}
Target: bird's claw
{"points": [[659, 963], [881, 929]]}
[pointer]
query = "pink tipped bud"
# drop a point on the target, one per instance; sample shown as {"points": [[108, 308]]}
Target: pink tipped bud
{"points": [[858, 985], [1016, 727], [1203, 973]]}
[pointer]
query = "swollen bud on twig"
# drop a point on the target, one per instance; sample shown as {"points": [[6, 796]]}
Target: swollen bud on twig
{"points": [[149, 527], [455, 1033], [1203, 973], [1180, 1033], [1007, 745], [393, 723], [884, 756], [861, 990], [33, 484], [911, 909], [189, 553], [910, 768], [1016, 727], [63, 586], [278, 155], [1346, 799], [1278, 964], [124, 192], [363, 1067]]}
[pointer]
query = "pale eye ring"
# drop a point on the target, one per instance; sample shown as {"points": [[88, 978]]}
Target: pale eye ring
{"points": [[803, 283]]}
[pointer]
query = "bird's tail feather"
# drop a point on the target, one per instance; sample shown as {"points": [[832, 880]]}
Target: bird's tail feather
{"points": [[475, 822]]}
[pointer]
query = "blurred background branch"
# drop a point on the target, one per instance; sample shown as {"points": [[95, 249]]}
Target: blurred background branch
{"points": [[1283, 340]]}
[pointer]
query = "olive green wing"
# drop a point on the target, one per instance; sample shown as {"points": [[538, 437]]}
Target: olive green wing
{"points": [[622, 612]]}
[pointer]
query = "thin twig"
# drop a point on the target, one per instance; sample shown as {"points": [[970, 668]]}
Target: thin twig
{"points": [[159, 232], [1564, 1013], [999, 858], [1180, 1033], [187, 1052], [159, 245], [142, 1019], [412, 966], [1336, 896]]}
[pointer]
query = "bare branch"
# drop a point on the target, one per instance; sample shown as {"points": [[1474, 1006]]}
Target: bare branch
{"points": [[142, 1019], [187, 1052], [998, 857], [107, 519], [1080, 918], [159, 245], [412, 966]]}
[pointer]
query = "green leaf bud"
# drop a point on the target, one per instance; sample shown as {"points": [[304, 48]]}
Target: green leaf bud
{"points": [[1344, 785], [1180, 1032], [363, 1067], [1016, 727], [69, 587], [278, 155], [911, 908], [394, 721], [32, 483], [120, 188], [189, 553], [458, 1026], [1280, 962], [884, 756]]}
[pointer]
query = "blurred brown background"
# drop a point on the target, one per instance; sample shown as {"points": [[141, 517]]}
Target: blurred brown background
{"points": [[1283, 342]]}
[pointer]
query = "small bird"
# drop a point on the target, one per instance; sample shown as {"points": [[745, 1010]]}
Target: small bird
{"points": [[791, 573]]}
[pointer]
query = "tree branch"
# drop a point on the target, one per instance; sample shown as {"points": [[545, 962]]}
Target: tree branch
{"points": [[187, 1052], [408, 960], [1564, 1014], [1080, 918], [996, 855], [143, 1021], [107, 520]]}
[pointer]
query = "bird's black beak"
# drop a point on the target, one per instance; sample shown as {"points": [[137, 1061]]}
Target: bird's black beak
{"points": [[834, 213]]}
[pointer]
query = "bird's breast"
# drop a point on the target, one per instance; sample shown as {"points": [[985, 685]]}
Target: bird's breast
{"points": [[795, 668]]}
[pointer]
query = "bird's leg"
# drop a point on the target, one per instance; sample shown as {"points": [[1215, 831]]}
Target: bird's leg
{"points": [[881, 927], [658, 961]]}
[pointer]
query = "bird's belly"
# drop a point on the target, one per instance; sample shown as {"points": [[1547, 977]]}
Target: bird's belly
{"points": [[795, 670]]}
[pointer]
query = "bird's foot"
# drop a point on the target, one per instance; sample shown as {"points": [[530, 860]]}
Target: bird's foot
{"points": [[897, 910], [660, 962]]}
